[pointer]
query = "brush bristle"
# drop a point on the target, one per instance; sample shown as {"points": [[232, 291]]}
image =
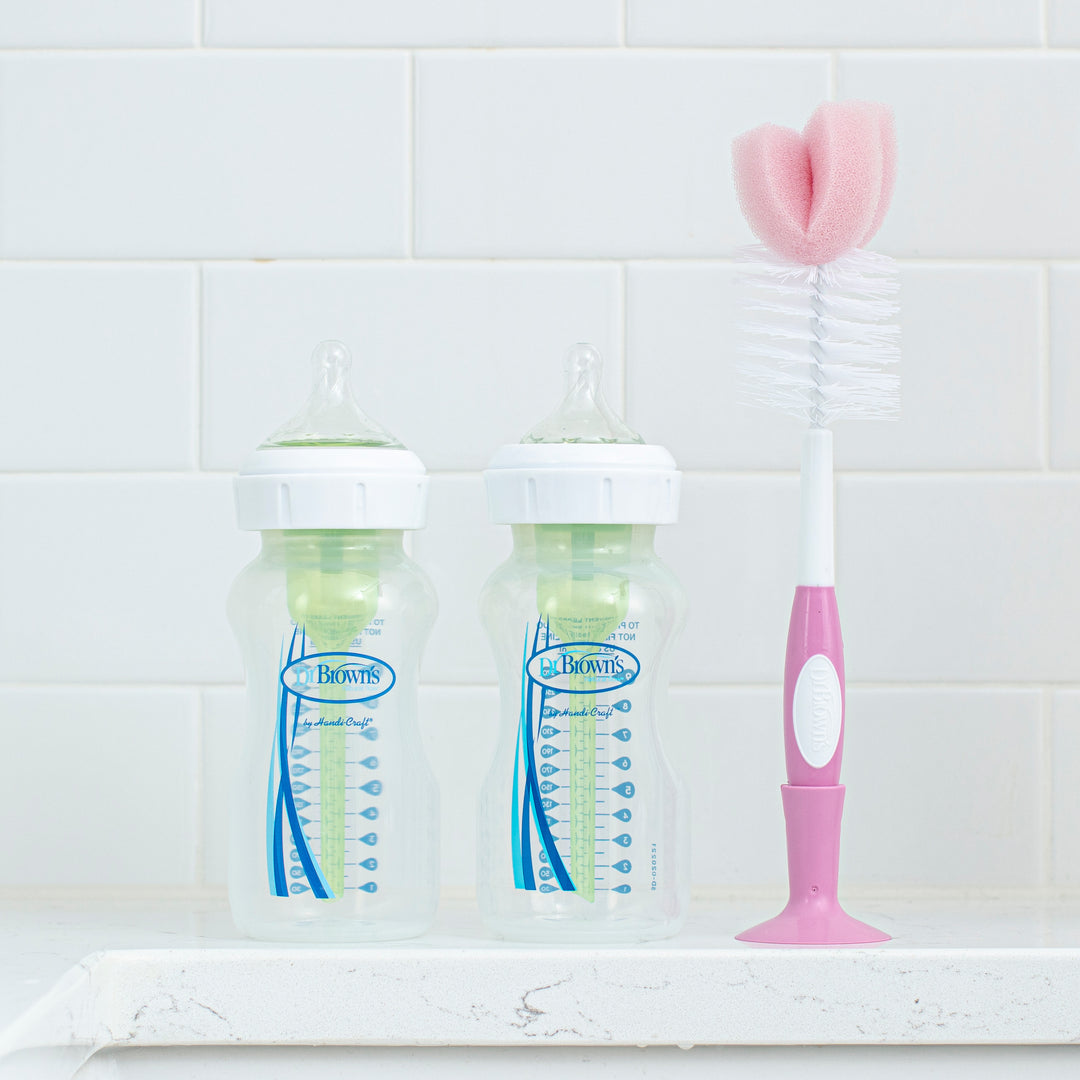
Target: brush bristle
{"points": [[818, 341]]}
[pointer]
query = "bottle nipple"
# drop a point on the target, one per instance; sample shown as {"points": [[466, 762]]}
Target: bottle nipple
{"points": [[584, 415], [331, 415]]}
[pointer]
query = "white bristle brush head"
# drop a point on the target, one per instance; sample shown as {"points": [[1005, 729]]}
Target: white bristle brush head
{"points": [[818, 341]]}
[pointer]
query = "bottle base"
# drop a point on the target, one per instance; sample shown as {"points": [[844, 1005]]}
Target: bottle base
{"points": [[331, 931], [563, 931]]}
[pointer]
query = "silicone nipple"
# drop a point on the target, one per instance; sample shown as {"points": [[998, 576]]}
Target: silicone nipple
{"points": [[584, 415], [331, 415]]}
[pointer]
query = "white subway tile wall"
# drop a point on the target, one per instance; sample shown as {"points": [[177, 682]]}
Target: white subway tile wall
{"points": [[608, 154], [340, 23], [1064, 366], [100, 367], [200, 154], [734, 550], [990, 158], [1063, 22], [968, 579], [193, 194], [102, 786], [222, 742], [118, 579], [971, 816], [835, 24], [458, 550], [74, 24]]}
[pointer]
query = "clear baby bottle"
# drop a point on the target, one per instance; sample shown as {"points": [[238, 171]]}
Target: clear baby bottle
{"points": [[334, 829], [582, 834]]}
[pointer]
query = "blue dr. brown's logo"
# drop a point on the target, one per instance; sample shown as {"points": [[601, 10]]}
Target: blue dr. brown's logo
{"points": [[338, 677], [583, 667]]}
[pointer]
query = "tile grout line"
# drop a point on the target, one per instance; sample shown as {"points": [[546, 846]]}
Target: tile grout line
{"points": [[411, 136], [1044, 23], [200, 791], [756, 51], [891, 685], [624, 364], [1046, 766], [155, 475], [560, 262], [861, 475], [110, 893], [915, 685], [1045, 370], [200, 351], [453, 894], [624, 17]]}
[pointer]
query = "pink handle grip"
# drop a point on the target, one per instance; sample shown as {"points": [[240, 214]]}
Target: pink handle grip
{"points": [[814, 689]]}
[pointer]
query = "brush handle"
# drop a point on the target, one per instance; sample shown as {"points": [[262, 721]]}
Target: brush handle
{"points": [[816, 509], [814, 689]]}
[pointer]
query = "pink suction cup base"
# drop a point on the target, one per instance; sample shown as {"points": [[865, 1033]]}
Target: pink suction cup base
{"points": [[813, 923], [813, 915]]}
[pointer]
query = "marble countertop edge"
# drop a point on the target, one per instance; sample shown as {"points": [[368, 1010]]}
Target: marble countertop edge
{"points": [[174, 973]]}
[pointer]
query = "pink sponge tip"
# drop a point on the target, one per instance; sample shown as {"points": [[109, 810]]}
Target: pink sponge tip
{"points": [[816, 195]]}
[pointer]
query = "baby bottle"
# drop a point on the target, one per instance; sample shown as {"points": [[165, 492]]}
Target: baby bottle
{"points": [[334, 830], [582, 834]]}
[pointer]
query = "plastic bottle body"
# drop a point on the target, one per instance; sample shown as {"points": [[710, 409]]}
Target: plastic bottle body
{"points": [[334, 823], [582, 833]]}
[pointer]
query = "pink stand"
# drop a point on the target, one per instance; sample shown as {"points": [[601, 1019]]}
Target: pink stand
{"points": [[813, 915]]}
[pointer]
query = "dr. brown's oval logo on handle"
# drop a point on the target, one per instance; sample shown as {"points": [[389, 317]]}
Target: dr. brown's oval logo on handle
{"points": [[817, 711]]}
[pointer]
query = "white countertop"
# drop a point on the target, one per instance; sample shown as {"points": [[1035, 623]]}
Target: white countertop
{"points": [[101, 974]]}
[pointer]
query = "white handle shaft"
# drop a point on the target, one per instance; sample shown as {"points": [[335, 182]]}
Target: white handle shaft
{"points": [[816, 560]]}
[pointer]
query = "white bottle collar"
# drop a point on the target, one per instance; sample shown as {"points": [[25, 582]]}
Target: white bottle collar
{"points": [[319, 487], [583, 483]]}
